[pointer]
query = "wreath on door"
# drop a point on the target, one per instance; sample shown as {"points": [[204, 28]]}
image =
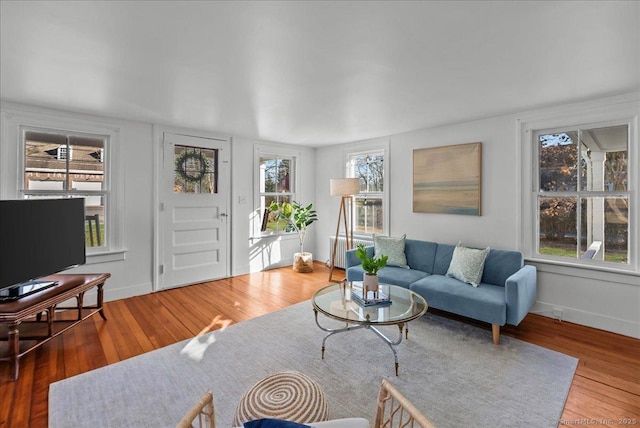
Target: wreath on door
{"points": [[192, 166]]}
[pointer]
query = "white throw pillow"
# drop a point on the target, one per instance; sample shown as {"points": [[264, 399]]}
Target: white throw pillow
{"points": [[392, 248], [467, 264]]}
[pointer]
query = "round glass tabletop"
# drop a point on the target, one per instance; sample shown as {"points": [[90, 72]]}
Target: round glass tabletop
{"points": [[342, 301]]}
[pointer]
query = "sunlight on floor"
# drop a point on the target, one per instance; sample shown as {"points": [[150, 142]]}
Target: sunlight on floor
{"points": [[197, 346]]}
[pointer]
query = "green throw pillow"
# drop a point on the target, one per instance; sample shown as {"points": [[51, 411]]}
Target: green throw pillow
{"points": [[391, 247], [467, 264]]}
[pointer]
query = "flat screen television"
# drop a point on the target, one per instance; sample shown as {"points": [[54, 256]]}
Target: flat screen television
{"points": [[38, 237]]}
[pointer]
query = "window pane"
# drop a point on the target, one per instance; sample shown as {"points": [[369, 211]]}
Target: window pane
{"points": [[45, 161], [195, 170], [558, 155], [269, 220], [275, 175], [87, 167], [284, 176], [605, 224], [605, 158], [368, 215], [369, 169], [94, 224], [557, 226]]}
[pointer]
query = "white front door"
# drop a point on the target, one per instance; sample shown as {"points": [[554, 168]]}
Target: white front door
{"points": [[194, 224]]}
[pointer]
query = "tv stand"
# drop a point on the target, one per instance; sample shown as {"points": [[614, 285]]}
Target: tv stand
{"points": [[26, 314]]}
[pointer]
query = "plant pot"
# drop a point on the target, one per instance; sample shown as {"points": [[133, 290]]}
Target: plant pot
{"points": [[370, 282], [303, 262]]}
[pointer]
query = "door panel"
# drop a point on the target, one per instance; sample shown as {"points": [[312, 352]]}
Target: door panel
{"points": [[194, 222]]}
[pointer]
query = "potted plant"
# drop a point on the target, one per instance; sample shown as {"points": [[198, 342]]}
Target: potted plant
{"points": [[298, 219], [371, 266]]}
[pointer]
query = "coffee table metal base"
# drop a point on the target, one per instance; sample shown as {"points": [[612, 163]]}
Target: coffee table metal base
{"points": [[355, 326]]}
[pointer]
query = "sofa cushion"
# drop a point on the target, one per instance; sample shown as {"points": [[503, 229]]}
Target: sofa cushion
{"points": [[389, 275], [342, 423], [500, 265], [273, 423], [391, 247], [420, 254], [485, 303], [442, 259], [467, 264], [400, 276]]}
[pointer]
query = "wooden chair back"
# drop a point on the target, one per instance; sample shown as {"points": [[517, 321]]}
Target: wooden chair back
{"points": [[202, 414], [395, 410]]}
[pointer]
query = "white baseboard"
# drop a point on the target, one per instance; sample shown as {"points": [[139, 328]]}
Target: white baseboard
{"points": [[589, 319], [110, 294]]}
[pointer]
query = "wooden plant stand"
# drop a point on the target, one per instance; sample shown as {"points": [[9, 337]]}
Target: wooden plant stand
{"points": [[26, 313]]}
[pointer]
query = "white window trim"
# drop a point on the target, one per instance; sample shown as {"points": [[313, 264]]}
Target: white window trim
{"points": [[616, 111], [368, 147], [14, 119], [261, 150]]}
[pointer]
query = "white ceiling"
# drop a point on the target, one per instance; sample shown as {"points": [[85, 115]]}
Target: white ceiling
{"points": [[315, 73]]}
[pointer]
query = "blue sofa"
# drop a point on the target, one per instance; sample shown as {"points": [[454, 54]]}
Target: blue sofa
{"points": [[504, 296]]}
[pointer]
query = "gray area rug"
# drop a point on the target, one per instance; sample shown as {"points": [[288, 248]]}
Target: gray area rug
{"points": [[449, 370]]}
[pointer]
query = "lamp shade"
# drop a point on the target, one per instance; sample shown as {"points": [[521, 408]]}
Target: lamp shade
{"points": [[344, 186]]}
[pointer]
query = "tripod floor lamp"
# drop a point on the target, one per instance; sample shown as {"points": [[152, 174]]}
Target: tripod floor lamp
{"points": [[345, 188]]}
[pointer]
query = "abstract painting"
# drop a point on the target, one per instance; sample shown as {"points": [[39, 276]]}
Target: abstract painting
{"points": [[448, 179]]}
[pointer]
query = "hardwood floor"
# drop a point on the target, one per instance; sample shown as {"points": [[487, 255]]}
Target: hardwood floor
{"points": [[605, 390]]}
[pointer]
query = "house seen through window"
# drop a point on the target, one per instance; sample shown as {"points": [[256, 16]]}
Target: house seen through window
{"points": [[59, 165]]}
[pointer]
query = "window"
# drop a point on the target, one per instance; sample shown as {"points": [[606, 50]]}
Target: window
{"points": [[276, 183], [59, 164], [369, 205], [582, 193], [196, 170]]}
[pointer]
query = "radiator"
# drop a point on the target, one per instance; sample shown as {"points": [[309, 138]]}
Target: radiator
{"points": [[342, 248]]}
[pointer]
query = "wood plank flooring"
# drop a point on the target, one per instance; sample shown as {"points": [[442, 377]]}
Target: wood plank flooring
{"points": [[604, 392]]}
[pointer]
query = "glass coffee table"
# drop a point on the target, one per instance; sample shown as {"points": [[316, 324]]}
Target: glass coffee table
{"points": [[335, 301]]}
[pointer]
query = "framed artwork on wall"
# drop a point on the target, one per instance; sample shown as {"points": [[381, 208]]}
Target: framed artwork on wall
{"points": [[448, 179]]}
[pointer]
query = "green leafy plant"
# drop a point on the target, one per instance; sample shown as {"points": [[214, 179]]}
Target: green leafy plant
{"points": [[371, 265], [298, 217]]}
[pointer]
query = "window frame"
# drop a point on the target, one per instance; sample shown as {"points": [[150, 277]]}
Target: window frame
{"points": [[595, 117], [16, 120], [372, 147], [262, 151]]}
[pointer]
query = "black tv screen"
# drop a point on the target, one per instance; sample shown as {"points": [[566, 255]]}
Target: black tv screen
{"points": [[40, 237]]}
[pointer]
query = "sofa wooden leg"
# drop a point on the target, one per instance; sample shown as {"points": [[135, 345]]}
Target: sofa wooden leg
{"points": [[495, 329]]}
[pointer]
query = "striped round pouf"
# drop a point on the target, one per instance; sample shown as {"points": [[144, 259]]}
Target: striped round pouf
{"points": [[289, 395]]}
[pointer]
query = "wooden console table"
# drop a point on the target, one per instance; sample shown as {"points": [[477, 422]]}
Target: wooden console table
{"points": [[27, 313]]}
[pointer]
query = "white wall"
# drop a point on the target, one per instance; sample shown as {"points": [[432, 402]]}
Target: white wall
{"points": [[133, 275], [603, 300]]}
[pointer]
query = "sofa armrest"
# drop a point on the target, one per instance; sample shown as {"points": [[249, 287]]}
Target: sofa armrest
{"points": [[520, 293], [350, 258]]}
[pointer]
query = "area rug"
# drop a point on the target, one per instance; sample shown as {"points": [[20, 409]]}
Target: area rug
{"points": [[450, 370]]}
